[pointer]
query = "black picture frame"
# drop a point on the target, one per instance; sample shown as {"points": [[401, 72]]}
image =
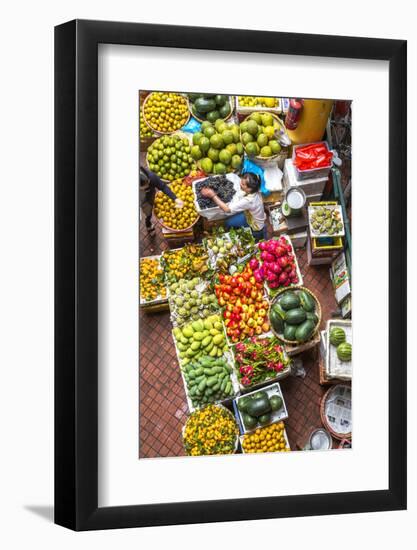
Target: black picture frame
{"points": [[76, 271]]}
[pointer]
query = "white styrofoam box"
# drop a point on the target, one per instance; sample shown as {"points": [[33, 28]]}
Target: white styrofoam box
{"points": [[299, 240], [336, 369], [287, 443], [313, 198], [276, 416], [248, 110], [313, 172], [310, 186], [215, 213]]}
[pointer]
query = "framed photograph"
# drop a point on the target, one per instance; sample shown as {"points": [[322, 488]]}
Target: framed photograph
{"points": [[230, 275]]}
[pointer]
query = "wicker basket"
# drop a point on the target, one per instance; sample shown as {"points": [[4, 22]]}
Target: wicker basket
{"points": [[278, 157], [173, 229], [182, 135], [329, 392], [158, 132], [318, 313], [232, 108]]}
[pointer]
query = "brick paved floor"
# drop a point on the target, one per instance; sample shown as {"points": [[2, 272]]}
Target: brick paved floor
{"points": [[163, 408]]}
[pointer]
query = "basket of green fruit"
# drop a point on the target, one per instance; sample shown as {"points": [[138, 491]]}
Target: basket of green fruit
{"points": [[259, 136], [170, 157], [211, 107], [295, 315]]}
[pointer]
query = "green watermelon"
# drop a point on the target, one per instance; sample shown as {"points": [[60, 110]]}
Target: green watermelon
{"points": [[337, 336], [344, 351]]}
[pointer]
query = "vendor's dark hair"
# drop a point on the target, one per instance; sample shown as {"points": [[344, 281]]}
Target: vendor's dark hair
{"points": [[143, 176], [253, 181]]}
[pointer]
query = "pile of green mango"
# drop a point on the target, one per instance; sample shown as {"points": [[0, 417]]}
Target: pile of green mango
{"points": [[188, 304], [208, 380], [202, 337]]}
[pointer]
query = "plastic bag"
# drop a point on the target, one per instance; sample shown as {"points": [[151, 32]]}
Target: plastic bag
{"points": [[316, 155], [192, 126]]}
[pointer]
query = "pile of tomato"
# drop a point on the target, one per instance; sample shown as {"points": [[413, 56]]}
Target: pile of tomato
{"points": [[245, 309]]}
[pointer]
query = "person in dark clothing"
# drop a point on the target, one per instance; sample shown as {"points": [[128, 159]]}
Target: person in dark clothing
{"points": [[148, 184]]}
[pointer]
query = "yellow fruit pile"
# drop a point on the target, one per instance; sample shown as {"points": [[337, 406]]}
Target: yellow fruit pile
{"points": [[266, 440], [210, 431], [184, 263], [144, 130], [151, 280], [166, 112], [250, 101], [171, 216]]}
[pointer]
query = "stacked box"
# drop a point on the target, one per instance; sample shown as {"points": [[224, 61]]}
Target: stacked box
{"points": [[313, 187]]}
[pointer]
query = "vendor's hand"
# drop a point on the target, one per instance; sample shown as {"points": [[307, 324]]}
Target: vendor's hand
{"points": [[179, 203], [206, 192]]}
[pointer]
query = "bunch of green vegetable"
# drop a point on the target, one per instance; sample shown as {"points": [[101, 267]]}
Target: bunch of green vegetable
{"points": [[208, 380]]}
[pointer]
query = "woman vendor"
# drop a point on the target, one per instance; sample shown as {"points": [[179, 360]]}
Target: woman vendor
{"points": [[149, 183], [246, 207]]}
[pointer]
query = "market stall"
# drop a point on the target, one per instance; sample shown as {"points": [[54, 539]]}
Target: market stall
{"points": [[253, 331]]}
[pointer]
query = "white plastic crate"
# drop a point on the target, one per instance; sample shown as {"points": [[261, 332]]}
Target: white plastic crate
{"points": [[215, 213]]}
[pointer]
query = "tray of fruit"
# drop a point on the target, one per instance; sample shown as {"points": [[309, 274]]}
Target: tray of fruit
{"points": [[248, 104], [244, 304], [211, 430], [277, 265], [259, 360], [169, 157], [260, 408], [184, 263], [295, 315], [152, 289], [226, 248], [211, 107], [326, 220], [217, 148], [209, 380], [270, 439], [259, 135], [190, 300], [166, 112], [198, 338], [169, 215], [339, 349]]}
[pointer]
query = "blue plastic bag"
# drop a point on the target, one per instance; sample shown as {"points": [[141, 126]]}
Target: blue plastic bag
{"points": [[192, 126], [249, 166]]}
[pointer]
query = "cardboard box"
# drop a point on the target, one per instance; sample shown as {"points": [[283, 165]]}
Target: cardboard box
{"points": [[339, 276], [299, 240]]}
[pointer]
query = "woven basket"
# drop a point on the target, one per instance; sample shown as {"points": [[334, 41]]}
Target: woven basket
{"points": [[171, 131], [232, 107], [184, 230], [323, 417], [182, 135], [317, 311], [283, 153]]}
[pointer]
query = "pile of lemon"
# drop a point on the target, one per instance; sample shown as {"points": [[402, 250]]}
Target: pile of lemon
{"points": [[266, 440], [166, 112], [144, 130], [251, 101], [171, 216]]}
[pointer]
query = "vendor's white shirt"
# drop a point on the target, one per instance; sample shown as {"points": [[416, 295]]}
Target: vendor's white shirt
{"points": [[253, 207]]}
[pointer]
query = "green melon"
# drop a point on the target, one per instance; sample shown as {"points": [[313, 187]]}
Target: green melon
{"points": [[337, 336], [344, 351]]}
